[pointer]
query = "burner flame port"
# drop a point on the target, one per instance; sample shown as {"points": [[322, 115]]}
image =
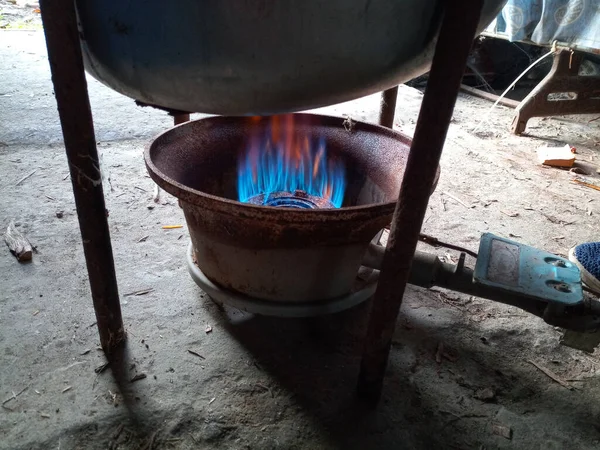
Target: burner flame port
{"points": [[283, 155], [298, 200]]}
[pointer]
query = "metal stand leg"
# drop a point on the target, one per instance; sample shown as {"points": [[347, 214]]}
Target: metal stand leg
{"points": [[180, 118], [68, 76], [387, 109], [456, 36], [564, 77]]}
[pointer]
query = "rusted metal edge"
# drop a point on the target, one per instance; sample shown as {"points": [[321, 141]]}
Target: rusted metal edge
{"points": [[225, 205]]}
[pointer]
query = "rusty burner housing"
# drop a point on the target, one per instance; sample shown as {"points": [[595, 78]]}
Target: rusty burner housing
{"points": [[308, 258], [308, 253]]}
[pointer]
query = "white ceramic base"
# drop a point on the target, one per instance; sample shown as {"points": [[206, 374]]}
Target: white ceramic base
{"points": [[280, 309]]}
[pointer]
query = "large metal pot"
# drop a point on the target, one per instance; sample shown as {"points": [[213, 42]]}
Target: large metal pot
{"points": [[258, 56], [270, 253]]}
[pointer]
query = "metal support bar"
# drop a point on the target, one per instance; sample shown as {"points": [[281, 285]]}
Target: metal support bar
{"points": [[387, 109], [180, 118], [456, 36], [70, 87]]}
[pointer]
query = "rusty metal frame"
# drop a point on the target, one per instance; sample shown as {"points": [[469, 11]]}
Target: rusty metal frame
{"points": [[454, 43], [563, 77], [387, 109], [70, 88]]}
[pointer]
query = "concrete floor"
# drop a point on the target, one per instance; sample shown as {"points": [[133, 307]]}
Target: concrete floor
{"points": [[272, 383]]}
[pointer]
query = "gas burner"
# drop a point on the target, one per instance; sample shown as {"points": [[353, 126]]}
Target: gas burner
{"points": [[281, 216], [299, 200]]}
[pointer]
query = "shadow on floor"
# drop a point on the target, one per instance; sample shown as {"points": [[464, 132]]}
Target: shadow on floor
{"points": [[317, 361]]}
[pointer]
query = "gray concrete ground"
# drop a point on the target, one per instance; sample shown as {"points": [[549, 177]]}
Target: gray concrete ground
{"points": [[267, 383]]}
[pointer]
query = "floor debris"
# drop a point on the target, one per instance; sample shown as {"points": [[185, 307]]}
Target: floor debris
{"points": [[485, 395], [113, 396], [102, 367], [502, 430], [17, 243], [118, 432], [140, 292], [150, 444], [14, 396], [138, 377], [196, 354], [25, 177], [558, 221], [551, 375], [458, 200], [589, 185], [556, 156]]}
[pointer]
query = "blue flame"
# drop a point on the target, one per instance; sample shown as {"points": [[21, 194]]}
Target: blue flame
{"points": [[286, 161]]}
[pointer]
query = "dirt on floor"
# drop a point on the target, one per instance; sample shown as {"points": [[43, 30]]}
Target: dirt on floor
{"points": [[20, 15], [462, 371]]}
